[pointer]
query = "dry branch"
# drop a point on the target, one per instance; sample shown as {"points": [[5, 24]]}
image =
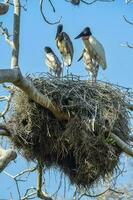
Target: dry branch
{"points": [[4, 31], [126, 148], [16, 32], [42, 13], [6, 156], [14, 76]]}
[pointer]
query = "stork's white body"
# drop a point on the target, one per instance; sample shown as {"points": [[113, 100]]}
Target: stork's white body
{"points": [[95, 50]]}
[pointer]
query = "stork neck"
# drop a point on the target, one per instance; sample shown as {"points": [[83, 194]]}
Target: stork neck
{"points": [[85, 37]]}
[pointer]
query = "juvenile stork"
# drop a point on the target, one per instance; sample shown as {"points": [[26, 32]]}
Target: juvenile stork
{"points": [[91, 65], [52, 62], [93, 54], [65, 46]]}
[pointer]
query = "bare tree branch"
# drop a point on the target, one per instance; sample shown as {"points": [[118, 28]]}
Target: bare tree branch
{"points": [[4, 32], [52, 5], [8, 99], [100, 194], [127, 45], [45, 19], [77, 2], [14, 76], [15, 178], [6, 156], [4, 131], [129, 22], [16, 31], [122, 144], [40, 193]]}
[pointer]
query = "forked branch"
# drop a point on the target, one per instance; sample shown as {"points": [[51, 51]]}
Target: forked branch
{"points": [[6, 156]]}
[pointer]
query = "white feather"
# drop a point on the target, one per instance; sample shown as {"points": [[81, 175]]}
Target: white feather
{"points": [[97, 50]]}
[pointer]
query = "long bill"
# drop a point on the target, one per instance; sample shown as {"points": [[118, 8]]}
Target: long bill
{"points": [[80, 35]]}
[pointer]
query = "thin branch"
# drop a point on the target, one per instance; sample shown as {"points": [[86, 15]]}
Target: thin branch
{"points": [[45, 19], [26, 197], [100, 194], [52, 5], [15, 178], [40, 193], [4, 31], [129, 22], [9, 98], [127, 45], [94, 1], [24, 172]]}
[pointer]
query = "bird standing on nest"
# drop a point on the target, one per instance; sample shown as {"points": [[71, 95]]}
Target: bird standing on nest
{"points": [[91, 65], [65, 46], [52, 62], [93, 54]]}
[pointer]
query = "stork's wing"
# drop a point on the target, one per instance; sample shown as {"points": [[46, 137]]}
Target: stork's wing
{"points": [[57, 60], [69, 43], [53, 60], [99, 50]]}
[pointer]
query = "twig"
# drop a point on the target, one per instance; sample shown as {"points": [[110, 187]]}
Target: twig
{"points": [[52, 5], [15, 178], [26, 197], [45, 19], [127, 45], [4, 31], [9, 98], [100, 194], [129, 22]]}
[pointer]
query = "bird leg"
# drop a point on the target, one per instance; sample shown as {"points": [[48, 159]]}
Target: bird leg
{"points": [[67, 72], [62, 66]]}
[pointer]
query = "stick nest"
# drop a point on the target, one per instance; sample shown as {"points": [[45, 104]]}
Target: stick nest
{"points": [[81, 147]]}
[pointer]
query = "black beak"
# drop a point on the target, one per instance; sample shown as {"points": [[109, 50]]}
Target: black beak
{"points": [[80, 35]]}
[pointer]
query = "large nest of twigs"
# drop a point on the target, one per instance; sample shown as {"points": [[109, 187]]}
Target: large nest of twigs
{"points": [[81, 147]]}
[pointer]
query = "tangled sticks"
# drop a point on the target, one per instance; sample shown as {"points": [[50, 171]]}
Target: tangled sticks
{"points": [[81, 147]]}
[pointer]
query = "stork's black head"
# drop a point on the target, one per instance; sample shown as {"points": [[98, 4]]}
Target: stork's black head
{"points": [[59, 30], [48, 50], [84, 33]]}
